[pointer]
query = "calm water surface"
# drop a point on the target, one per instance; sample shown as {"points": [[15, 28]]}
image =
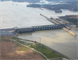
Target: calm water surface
{"points": [[58, 40], [14, 14]]}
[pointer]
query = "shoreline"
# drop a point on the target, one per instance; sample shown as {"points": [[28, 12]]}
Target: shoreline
{"points": [[74, 28], [48, 48]]}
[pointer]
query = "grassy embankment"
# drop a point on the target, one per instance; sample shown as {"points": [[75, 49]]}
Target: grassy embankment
{"points": [[46, 51], [49, 53]]}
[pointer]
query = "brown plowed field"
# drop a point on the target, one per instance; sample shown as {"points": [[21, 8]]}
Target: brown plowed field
{"points": [[10, 50]]}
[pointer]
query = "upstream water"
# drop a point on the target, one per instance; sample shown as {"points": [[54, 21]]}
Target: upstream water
{"points": [[14, 14]]}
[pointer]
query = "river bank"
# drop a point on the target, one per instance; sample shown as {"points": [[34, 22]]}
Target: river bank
{"points": [[58, 40], [39, 47], [72, 19], [74, 28], [12, 50]]}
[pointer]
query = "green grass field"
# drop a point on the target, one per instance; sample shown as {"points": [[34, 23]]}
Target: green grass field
{"points": [[49, 53], [23, 48]]}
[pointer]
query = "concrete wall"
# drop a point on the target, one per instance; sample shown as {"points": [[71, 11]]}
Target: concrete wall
{"points": [[38, 28], [23, 30]]}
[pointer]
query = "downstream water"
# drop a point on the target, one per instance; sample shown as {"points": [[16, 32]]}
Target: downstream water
{"points": [[14, 14], [58, 40]]}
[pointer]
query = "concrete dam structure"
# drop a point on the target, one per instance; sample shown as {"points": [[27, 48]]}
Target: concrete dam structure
{"points": [[38, 28], [15, 31]]}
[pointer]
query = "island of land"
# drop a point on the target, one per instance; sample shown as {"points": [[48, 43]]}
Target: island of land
{"points": [[57, 8]]}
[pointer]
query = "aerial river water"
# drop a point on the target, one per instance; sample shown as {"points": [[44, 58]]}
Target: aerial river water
{"points": [[15, 14]]}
